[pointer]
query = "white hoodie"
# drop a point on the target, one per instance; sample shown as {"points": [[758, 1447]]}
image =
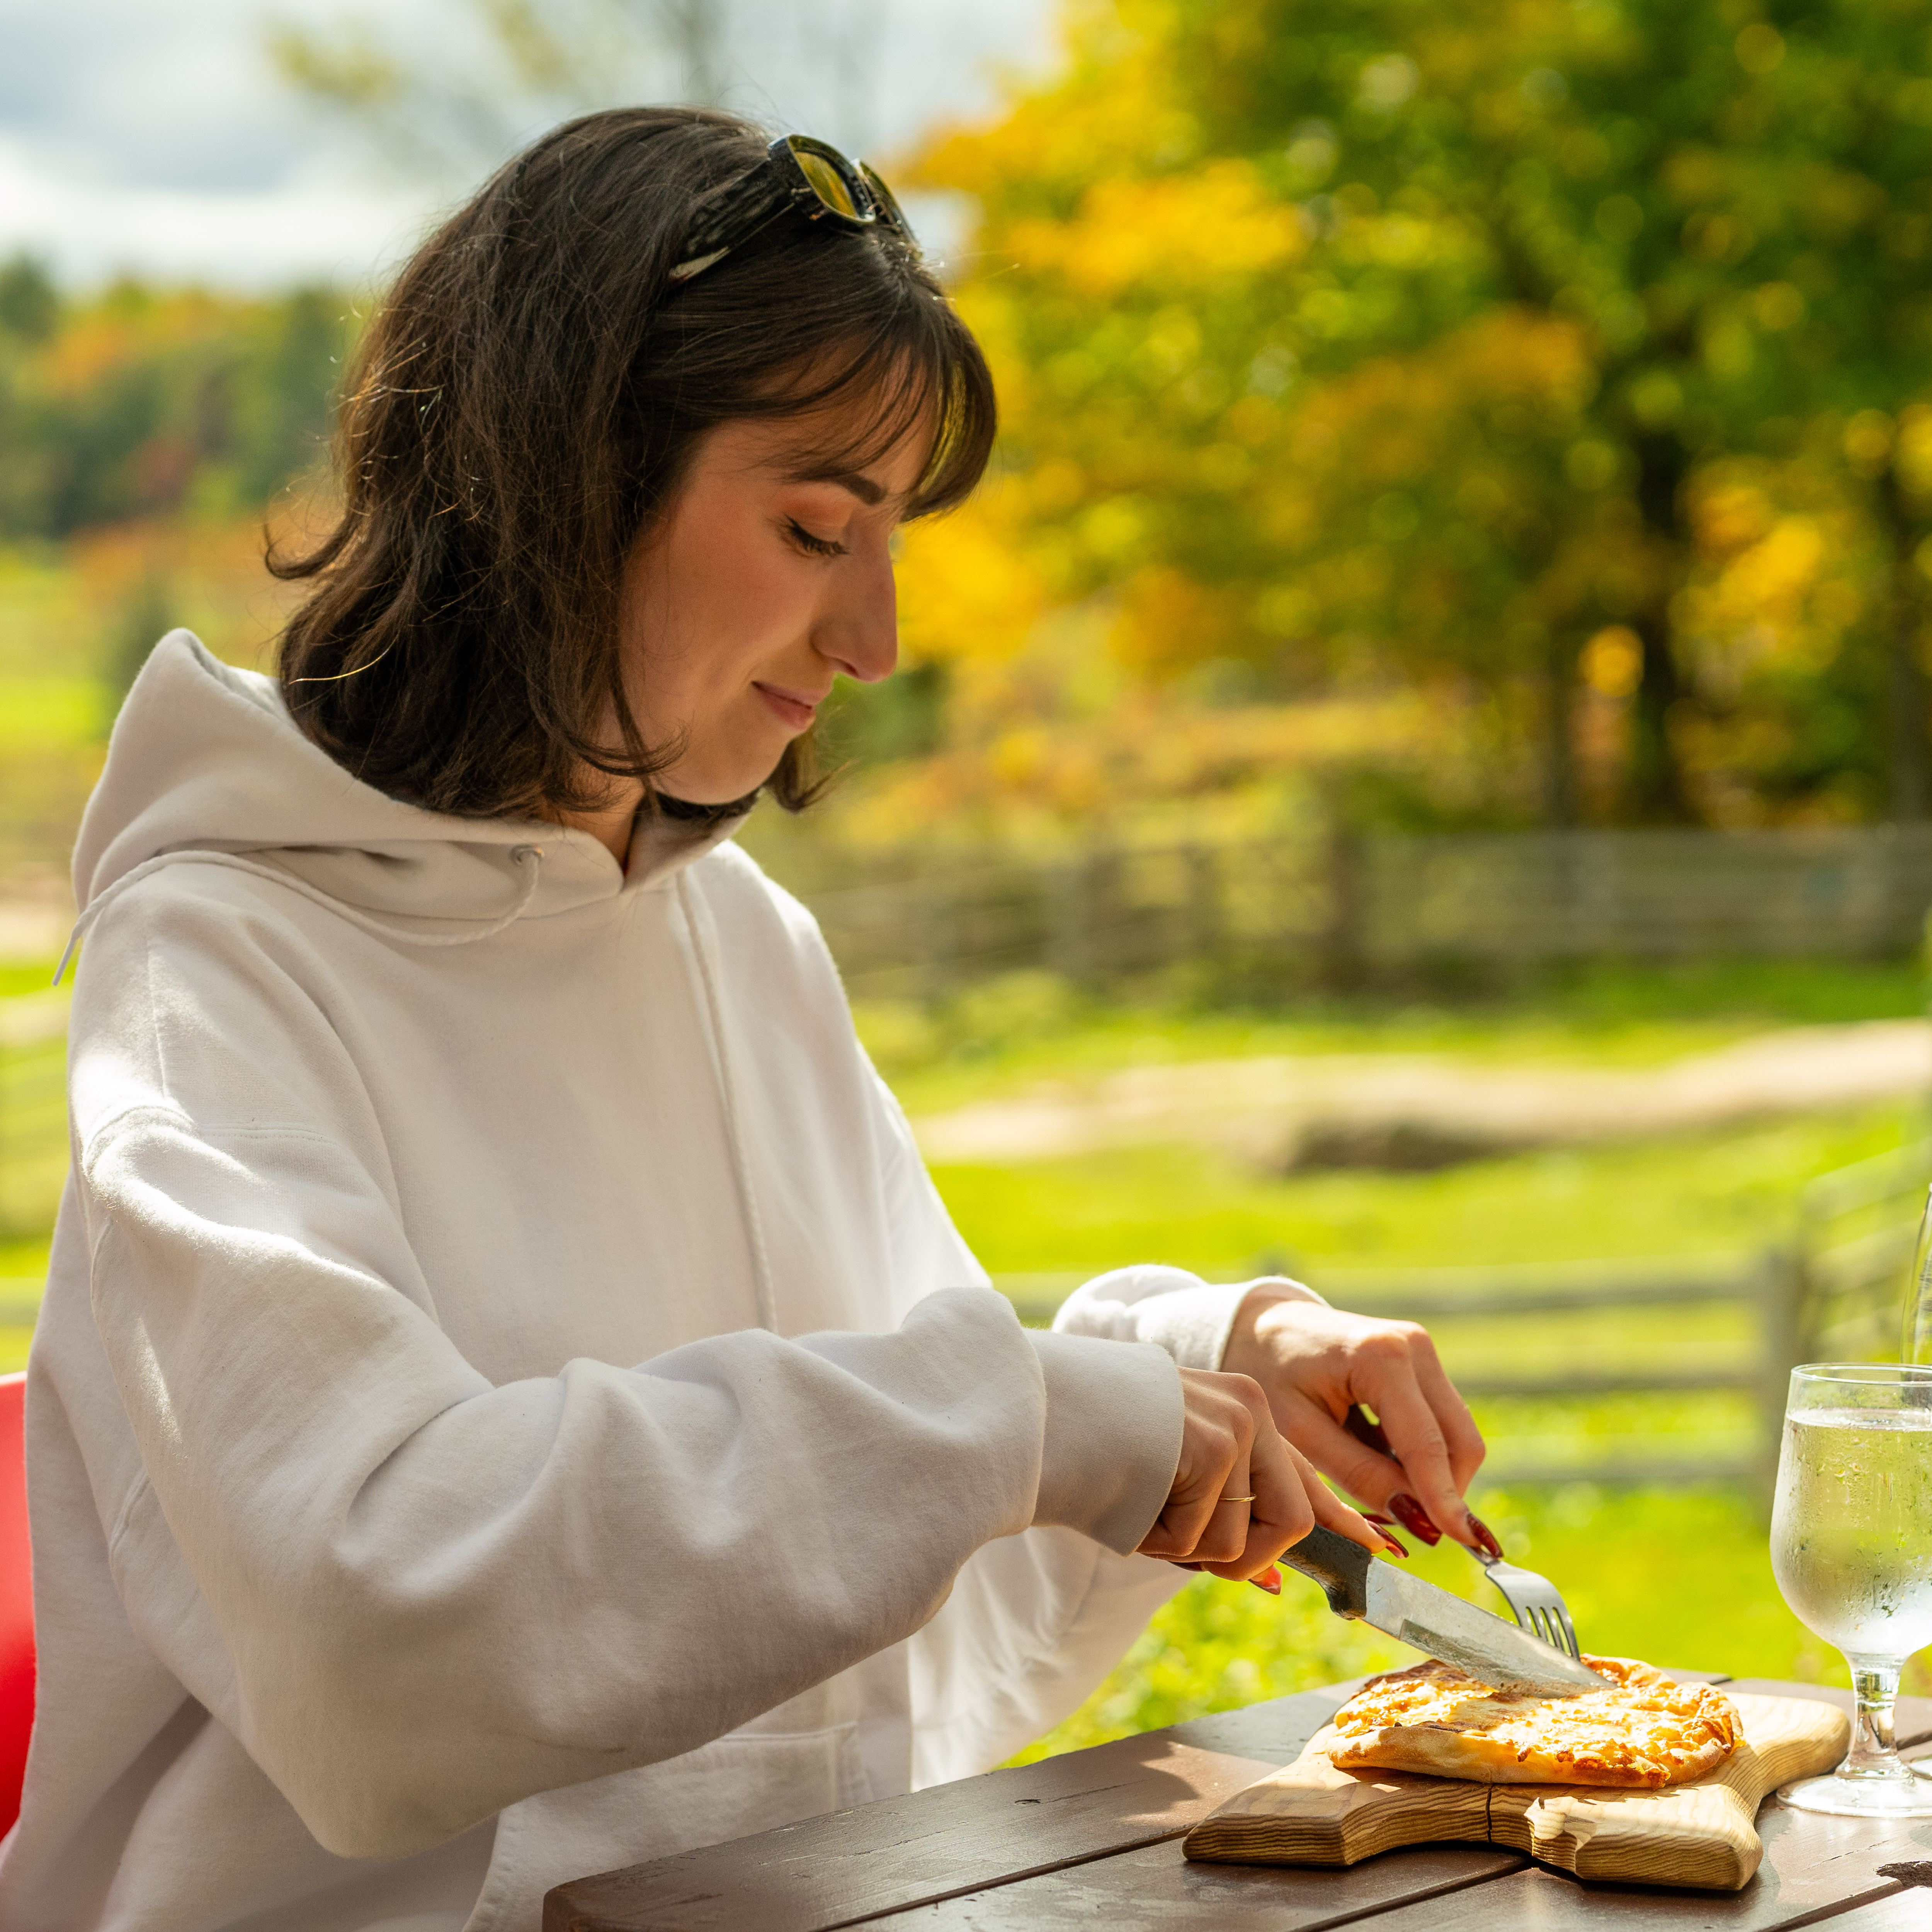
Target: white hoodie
{"points": [[509, 1402]]}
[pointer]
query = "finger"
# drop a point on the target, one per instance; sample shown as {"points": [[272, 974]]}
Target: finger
{"points": [[1224, 1531], [1226, 1535], [1216, 1445], [1342, 1453], [1423, 1449], [1357, 1423], [1467, 1448], [1295, 1499], [1332, 1513], [1281, 1513]]}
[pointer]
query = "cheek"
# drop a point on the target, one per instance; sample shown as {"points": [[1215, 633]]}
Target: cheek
{"points": [[740, 600]]}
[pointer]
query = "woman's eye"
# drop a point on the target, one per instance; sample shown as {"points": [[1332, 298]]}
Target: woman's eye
{"points": [[816, 545]]}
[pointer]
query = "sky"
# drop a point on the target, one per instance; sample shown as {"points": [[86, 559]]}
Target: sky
{"points": [[155, 137]]}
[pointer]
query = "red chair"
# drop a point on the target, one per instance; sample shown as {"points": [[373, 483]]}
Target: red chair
{"points": [[16, 1599]]}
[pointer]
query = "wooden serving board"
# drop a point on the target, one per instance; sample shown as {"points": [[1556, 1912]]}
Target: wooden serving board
{"points": [[1700, 1834]]}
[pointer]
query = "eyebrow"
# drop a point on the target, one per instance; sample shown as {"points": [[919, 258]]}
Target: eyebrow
{"points": [[861, 486]]}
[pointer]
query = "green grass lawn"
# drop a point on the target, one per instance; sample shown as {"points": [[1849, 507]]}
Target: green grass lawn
{"points": [[1701, 1195]]}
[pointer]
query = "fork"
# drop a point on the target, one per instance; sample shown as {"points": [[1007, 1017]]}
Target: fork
{"points": [[1534, 1601]]}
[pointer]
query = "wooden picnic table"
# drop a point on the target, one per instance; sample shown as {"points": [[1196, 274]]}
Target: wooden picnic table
{"points": [[1092, 1838]]}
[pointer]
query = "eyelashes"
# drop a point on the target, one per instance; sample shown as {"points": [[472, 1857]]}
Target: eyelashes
{"points": [[813, 546]]}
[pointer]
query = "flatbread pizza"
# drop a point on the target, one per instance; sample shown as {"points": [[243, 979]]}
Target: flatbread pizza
{"points": [[1640, 1730]]}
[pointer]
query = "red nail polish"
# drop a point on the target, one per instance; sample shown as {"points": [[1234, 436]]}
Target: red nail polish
{"points": [[1380, 1521], [1394, 1548], [1270, 1580], [1415, 1519], [1484, 1535]]}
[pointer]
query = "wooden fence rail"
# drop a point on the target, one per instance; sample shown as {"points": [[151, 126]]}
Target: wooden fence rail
{"points": [[1296, 909], [1827, 1294]]}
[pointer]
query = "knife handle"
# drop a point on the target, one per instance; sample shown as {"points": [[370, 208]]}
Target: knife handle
{"points": [[1340, 1566]]}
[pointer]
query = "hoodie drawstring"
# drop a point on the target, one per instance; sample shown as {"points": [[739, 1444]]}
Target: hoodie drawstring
{"points": [[523, 856], [741, 1163]]}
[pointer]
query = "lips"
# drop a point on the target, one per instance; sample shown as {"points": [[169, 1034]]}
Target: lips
{"points": [[793, 710]]}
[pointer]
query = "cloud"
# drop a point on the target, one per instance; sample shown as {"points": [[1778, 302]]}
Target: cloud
{"points": [[153, 136]]}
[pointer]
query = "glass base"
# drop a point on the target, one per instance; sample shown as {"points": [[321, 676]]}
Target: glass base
{"points": [[1907, 1795]]}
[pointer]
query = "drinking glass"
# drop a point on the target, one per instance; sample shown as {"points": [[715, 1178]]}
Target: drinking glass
{"points": [[1851, 1545]]}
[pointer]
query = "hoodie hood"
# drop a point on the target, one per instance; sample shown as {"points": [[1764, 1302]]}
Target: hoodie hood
{"points": [[205, 760]]}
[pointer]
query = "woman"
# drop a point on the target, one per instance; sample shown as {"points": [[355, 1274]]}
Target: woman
{"points": [[508, 1401]]}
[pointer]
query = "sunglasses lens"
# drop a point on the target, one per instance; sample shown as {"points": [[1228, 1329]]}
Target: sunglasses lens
{"points": [[830, 185], [884, 200]]}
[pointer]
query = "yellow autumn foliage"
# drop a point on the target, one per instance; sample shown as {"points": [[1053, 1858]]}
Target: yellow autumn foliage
{"points": [[1218, 223]]}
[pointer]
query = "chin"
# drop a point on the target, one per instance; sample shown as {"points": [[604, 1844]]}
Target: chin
{"points": [[714, 786]]}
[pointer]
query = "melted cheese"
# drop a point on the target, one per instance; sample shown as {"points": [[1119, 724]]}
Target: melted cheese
{"points": [[1640, 1730]]}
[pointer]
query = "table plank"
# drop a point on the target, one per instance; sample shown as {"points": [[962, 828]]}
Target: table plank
{"points": [[1907, 1911], [850, 1865], [1155, 1889]]}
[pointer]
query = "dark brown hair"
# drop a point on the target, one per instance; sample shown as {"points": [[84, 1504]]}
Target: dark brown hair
{"points": [[527, 400]]}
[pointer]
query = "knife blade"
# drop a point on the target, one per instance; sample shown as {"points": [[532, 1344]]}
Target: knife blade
{"points": [[1433, 1620]]}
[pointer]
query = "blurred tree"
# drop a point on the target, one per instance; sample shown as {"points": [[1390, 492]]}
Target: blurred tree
{"points": [[29, 302], [1377, 335], [144, 402]]}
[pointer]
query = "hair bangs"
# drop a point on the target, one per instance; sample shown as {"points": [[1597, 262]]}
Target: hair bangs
{"points": [[917, 385]]}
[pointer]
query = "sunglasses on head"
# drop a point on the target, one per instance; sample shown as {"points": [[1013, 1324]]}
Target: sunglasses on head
{"points": [[797, 172]]}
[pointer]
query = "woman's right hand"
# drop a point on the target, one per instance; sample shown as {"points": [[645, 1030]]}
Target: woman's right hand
{"points": [[1230, 1448]]}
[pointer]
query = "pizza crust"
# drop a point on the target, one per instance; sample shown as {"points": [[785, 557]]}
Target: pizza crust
{"points": [[1640, 1730]]}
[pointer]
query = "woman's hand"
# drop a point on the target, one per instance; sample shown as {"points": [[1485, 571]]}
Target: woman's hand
{"points": [[1240, 1494], [1316, 1362]]}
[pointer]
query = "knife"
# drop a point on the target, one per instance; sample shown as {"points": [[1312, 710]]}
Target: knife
{"points": [[1427, 1618]]}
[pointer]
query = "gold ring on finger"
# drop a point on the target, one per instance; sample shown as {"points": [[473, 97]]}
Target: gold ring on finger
{"points": [[1237, 1499]]}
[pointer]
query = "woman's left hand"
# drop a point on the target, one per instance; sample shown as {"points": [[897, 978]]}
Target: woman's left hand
{"points": [[1316, 1363]]}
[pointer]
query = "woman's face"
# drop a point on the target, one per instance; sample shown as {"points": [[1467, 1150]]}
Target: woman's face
{"points": [[765, 582]]}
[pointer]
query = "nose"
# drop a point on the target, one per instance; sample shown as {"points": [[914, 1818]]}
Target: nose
{"points": [[858, 633]]}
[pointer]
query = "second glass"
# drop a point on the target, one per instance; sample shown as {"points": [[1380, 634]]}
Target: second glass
{"points": [[1851, 1545]]}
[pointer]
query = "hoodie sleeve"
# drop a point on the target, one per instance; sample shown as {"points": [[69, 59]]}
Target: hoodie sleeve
{"points": [[416, 1598], [1189, 1318], [1034, 1622]]}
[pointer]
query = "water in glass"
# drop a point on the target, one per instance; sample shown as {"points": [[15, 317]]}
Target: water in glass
{"points": [[1851, 1545]]}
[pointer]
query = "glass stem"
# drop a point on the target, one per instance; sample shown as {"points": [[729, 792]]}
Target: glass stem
{"points": [[1873, 1752]]}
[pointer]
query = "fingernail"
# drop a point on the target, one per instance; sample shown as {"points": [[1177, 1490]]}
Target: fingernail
{"points": [[1484, 1535], [1415, 1519], [1380, 1521], [1270, 1580], [1394, 1548]]}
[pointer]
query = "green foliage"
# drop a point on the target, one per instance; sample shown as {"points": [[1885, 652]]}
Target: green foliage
{"points": [[144, 402], [29, 302]]}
